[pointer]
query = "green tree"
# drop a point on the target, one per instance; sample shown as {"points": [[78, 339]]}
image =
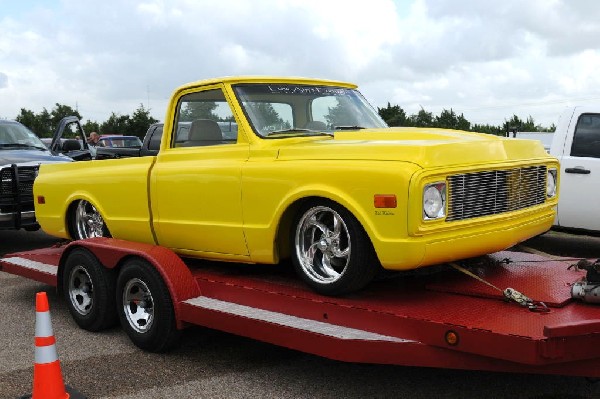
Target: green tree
{"points": [[450, 120], [393, 115], [60, 111], [30, 119], [89, 127], [45, 123], [422, 119], [490, 129], [515, 123], [140, 121], [116, 124]]}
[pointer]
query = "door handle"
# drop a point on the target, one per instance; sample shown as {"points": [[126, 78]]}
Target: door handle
{"points": [[579, 170]]}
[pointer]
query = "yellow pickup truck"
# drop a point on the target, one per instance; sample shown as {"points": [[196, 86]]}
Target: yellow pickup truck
{"points": [[260, 169]]}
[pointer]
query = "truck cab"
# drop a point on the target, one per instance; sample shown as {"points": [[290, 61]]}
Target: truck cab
{"points": [[576, 144]]}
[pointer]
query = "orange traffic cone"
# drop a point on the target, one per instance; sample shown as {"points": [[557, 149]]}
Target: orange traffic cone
{"points": [[47, 376]]}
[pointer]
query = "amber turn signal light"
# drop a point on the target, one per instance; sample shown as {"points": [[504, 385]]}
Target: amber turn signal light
{"points": [[385, 201]]}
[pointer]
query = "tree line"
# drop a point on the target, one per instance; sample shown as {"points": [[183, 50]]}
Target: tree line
{"points": [[394, 115], [45, 122]]}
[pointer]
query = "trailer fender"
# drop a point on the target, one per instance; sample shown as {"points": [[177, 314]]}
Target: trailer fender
{"points": [[113, 252]]}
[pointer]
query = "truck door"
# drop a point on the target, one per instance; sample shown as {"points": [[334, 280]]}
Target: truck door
{"points": [[579, 201], [196, 182]]}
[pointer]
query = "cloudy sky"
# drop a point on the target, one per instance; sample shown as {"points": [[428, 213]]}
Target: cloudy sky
{"points": [[485, 59]]}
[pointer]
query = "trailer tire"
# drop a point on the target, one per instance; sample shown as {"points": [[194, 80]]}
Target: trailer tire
{"points": [[330, 250], [145, 307], [89, 289]]}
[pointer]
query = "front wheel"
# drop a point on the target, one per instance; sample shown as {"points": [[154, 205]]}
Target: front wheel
{"points": [[145, 307], [86, 222], [331, 251]]}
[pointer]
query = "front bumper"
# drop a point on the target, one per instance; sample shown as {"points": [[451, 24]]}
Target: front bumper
{"points": [[417, 251]]}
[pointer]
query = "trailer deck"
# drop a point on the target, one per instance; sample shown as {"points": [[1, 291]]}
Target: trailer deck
{"points": [[435, 317]]}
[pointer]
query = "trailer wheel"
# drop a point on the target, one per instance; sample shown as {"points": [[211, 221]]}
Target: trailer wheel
{"points": [[86, 222], [89, 289], [145, 307], [331, 251]]}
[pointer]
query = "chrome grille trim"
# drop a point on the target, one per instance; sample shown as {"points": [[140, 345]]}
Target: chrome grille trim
{"points": [[485, 193]]}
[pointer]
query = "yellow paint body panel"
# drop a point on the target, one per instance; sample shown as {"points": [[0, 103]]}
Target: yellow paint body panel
{"points": [[234, 202]]}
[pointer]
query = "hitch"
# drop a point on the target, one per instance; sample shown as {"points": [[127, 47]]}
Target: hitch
{"points": [[587, 289]]}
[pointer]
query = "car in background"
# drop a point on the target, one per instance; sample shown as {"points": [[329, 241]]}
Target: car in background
{"points": [[21, 153], [61, 143], [119, 141]]}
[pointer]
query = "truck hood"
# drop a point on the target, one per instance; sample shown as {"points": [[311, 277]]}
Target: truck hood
{"points": [[425, 147], [25, 156]]}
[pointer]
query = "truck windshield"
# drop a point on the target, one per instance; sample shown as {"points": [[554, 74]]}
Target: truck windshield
{"points": [[14, 135], [284, 110]]}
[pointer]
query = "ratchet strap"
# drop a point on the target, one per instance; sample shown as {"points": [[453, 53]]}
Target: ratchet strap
{"points": [[509, 293]]}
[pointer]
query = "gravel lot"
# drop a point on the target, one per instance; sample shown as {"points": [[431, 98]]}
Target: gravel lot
{"points": [[211, 364]]}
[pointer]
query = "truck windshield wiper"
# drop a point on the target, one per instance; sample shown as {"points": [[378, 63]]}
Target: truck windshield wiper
{"points": [[19, 145], [301, 131], [349, 127]]}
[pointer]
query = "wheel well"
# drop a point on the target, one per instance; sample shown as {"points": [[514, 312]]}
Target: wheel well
{"points": [[68, 217], [283, 236]]}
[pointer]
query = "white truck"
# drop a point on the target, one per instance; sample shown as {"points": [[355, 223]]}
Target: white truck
{"points": [[576, 144]]}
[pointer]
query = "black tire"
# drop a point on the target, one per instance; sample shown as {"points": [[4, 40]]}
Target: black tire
{"points": [[85, 221], [89, 289], [331, 262], [145, 307]]}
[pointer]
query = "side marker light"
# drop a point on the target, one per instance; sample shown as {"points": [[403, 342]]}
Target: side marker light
{"points": [[385, 201]]}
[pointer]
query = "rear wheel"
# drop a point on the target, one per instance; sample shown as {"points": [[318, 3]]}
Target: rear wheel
{"points": [[89, 289], [145, 307], [331, 250], [86, 222]]}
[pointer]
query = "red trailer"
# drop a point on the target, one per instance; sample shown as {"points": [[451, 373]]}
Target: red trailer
{"points": [[435, 317]]}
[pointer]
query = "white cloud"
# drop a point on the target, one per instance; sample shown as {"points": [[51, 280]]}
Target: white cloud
{"points": [[487, 59]]}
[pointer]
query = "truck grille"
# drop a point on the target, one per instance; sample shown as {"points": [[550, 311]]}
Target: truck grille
{"points": [[493, 192], [18, 194]]}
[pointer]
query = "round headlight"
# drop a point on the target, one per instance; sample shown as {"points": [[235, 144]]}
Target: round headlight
{"points": [[551, 183], [433, 202]]}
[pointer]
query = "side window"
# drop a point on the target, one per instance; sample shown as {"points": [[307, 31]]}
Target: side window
{"points": [[203, 119], [586, 140], [155, 136]]}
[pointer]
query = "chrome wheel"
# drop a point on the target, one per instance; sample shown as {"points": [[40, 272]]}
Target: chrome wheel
{"points": [[81, 290], [88, 221], [322, 244], [138, 305], [89, 290], [146, 310]]}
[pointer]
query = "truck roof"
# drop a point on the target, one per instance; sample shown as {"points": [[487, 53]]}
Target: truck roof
{"points": [[267, 79]]}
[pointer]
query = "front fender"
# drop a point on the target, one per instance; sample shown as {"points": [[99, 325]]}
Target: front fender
{"points": [[269, 202]]}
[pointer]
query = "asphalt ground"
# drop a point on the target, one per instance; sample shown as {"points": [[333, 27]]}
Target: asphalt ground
{"points": [[212, 364]]}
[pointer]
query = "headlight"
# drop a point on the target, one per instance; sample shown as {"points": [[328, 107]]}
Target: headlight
{"points": [[434, 201], [551, 183]]}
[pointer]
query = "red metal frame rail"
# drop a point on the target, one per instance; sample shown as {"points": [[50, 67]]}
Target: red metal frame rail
{"points": [[404, 320]]}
